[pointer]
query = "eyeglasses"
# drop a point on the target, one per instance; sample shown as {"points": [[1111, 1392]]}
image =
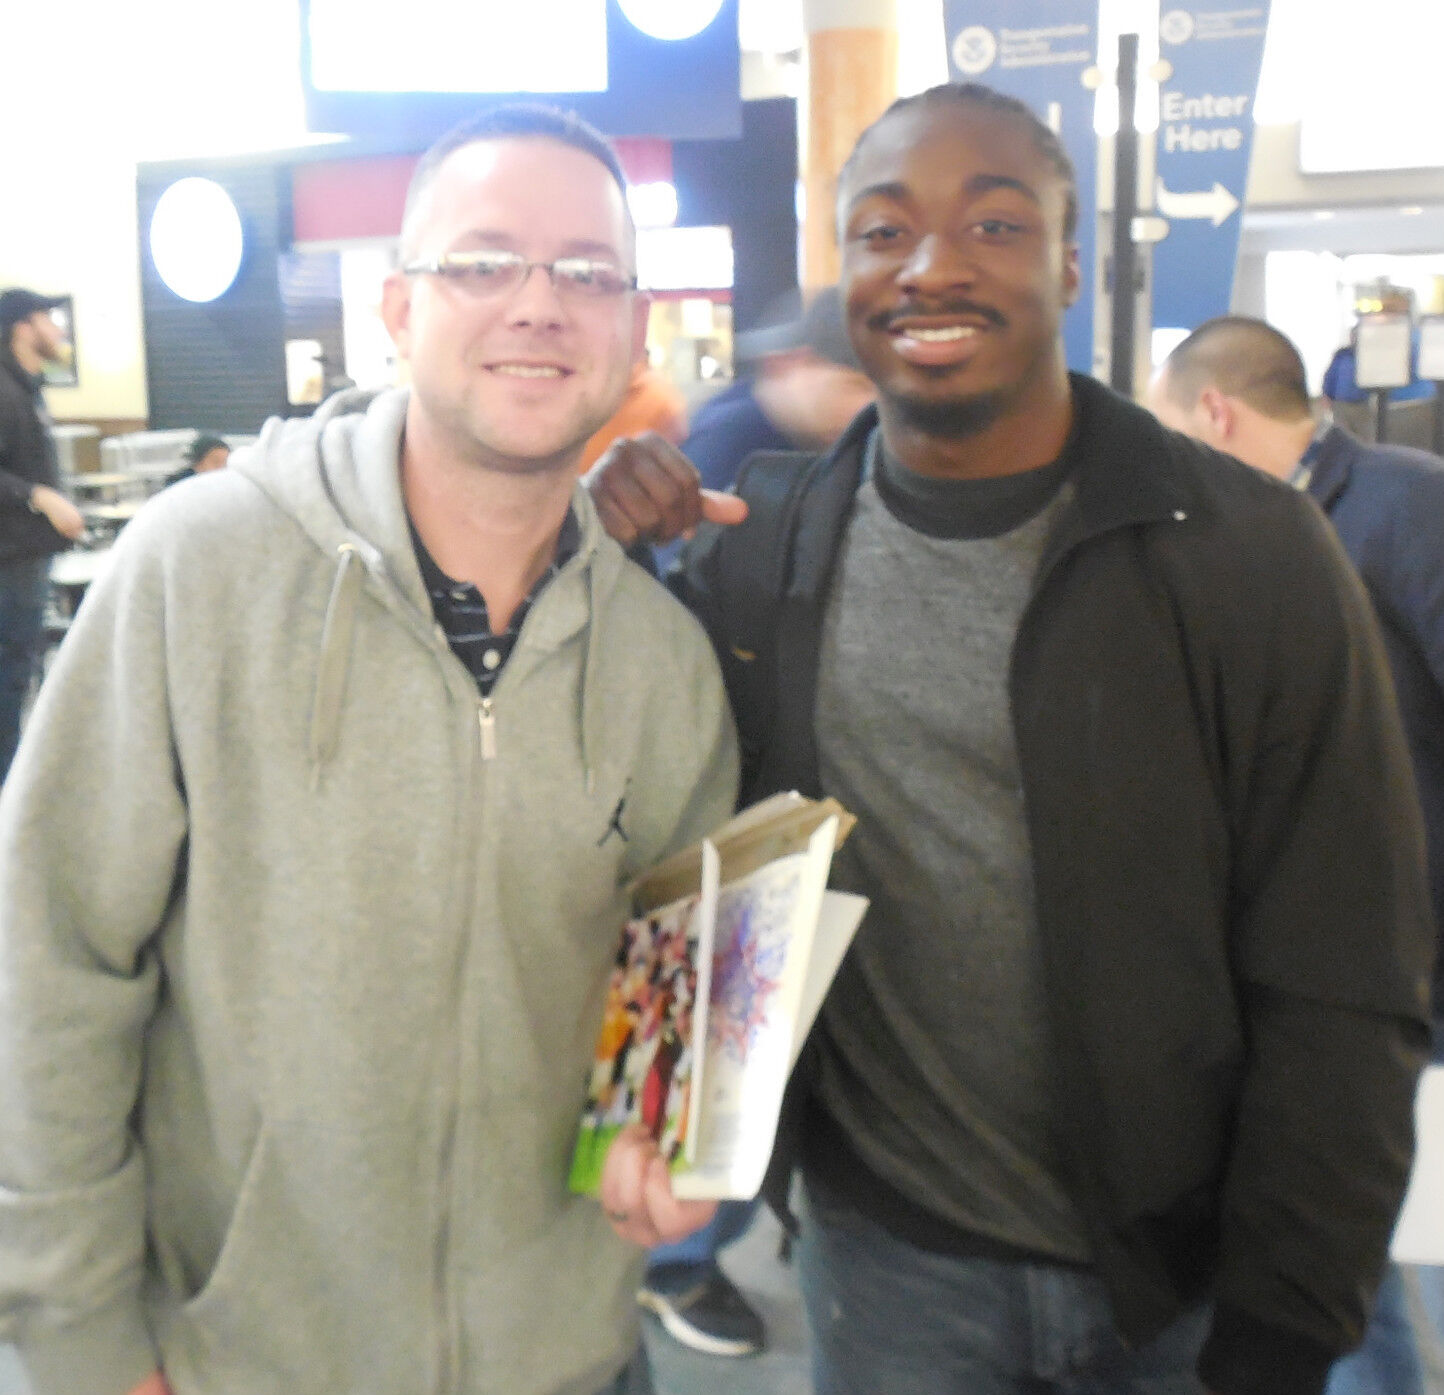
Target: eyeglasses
{"points": [[491, 271]]}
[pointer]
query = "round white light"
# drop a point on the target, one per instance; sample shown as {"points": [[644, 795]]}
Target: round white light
{"points": [[671, 19], [195, 239]]}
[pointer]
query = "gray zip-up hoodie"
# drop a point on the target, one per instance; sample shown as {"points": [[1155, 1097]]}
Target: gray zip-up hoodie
{"points": [[302, 948]]}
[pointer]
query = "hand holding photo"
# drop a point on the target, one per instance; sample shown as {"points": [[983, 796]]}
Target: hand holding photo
{"points": [[713, 993]]}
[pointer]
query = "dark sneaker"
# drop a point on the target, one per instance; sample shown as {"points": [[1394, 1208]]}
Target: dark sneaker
{"points": [[701, 1308]]}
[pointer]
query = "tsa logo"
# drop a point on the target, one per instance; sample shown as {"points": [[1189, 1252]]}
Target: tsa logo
{"points": [[974, 50], [1176, 27]]}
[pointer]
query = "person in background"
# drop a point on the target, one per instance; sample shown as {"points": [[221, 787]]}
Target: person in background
{"points": [[799, 385], [36, 519], [695, 1301], [204, 454], [316, 850], [1341, 376], [1113, 1091], [1239, 385], [652, 403]]}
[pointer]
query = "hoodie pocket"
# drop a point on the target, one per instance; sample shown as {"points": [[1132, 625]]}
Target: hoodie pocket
{"points": [[323, 1280]]}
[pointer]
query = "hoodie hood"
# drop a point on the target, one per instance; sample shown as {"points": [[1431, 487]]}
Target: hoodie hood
{"points": [[337, 475]]}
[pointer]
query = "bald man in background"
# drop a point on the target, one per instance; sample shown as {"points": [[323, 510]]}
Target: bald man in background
{"points": [[1239, 385]]}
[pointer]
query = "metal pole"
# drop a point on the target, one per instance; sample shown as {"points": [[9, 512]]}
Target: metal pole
{"points": [[1379, 401], [1125, 207], [1439, 418]]}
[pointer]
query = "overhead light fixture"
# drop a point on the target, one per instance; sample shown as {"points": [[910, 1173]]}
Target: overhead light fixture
{"points": [[1412, 211], [196, 240], [653, 205], [671, 19]]}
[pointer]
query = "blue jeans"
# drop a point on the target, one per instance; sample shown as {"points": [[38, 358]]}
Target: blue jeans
{"points": [[886, 1315], [635, 1380], [701, 1247], [24, 585], [1408, 1320]]}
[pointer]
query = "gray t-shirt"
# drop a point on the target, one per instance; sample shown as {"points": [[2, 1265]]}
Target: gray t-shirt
{"points": [[935, 1048]]}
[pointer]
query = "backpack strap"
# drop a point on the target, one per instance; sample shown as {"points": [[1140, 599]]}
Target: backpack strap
{"points": [[758, 554], [735, 579]]}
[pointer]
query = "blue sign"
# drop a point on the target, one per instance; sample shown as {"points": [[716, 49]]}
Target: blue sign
{"points": [[1205, 137], [1038, 51]]}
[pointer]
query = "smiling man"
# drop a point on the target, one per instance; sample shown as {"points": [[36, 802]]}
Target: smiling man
{"points": [[1112, 1094], [315, 857]]}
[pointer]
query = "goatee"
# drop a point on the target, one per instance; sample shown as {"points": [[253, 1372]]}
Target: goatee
{"points": [[946, 419]]}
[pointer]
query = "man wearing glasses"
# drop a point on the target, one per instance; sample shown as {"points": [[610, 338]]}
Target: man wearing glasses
{"points": [[300, 978]]}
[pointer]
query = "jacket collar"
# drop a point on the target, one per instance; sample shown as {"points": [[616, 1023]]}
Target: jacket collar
{"points": [[1129, 468], [1333, 463]]}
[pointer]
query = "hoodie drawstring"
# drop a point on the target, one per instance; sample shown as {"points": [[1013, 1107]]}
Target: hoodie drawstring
{"points": [[335, 658], [591, 715]]}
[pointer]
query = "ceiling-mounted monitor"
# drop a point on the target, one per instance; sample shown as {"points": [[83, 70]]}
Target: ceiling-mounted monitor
{"points": [[400, 72]]}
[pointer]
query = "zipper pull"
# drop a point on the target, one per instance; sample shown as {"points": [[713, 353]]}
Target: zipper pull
{"points": [[486, 720]]}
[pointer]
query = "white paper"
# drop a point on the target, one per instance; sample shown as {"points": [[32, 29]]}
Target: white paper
{"points": [[758, 813], [765, 928], [705, 924], [842, 913], [1419, 1235], [1381, 352], [1431, 348]]}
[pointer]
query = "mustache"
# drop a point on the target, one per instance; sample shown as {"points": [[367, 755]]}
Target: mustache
{"points": [[887, 319]]}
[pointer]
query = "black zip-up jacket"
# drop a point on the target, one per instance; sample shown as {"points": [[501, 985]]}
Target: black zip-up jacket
{"points": [[27, 458], [1228, 862]]}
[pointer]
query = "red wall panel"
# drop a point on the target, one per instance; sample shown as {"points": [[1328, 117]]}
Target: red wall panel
{"points": [[362, 197]]}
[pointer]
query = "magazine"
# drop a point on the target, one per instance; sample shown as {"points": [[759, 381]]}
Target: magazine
{"points": [[717, 981]]}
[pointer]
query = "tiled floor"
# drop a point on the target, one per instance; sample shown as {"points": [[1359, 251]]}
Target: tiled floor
{"points": [[770, 1285]]}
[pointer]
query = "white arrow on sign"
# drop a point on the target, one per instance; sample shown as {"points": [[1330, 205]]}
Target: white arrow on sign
{"points": [[1216, 203]]}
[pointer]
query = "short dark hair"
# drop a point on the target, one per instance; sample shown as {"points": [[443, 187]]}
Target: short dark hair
{"points": [[987, 99], [1241, 357], [202, 446], [522, 119]]}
